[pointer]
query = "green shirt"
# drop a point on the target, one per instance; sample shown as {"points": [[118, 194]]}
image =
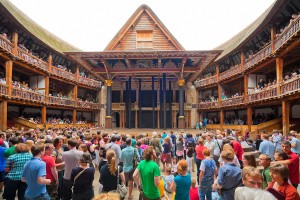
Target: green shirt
{"points": [[10, 151], [148, 170], [267, 177]]}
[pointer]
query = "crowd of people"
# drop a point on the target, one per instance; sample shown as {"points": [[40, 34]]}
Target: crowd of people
{"points": [[51, 119]]}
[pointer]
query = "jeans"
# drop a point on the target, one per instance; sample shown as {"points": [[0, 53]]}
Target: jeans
{"points": [[67, 190], [87, 195], [198, 163], [206, 189], [60, 184], [11, 187], [41, 197]]}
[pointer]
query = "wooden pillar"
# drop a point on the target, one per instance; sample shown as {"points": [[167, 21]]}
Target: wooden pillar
{"points": [[99, 118], [74, 117], [50, 62], [249, 118], [158, 119], [222, 116], [77, 73], [108, 117], [181, 117], [217, 72], [279, 70], [47, 88], [15, 38], [285, 117], [75, 94], [246, 80], [9, 68], [219, 93], [242, 59], [273, 37], [3, 113], [44, 115]]}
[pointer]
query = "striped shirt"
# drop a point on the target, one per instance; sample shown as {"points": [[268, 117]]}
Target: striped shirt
{"points": [[16, 164]]}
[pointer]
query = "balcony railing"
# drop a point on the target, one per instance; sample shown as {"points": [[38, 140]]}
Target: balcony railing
{"points": [[290, 86], [287, 33], [63, 73], [61, 101], [32, 59], [209, 104], [233, 101], [3, 90], [266, 93], [206, 81], [6, 44], [259, 56], [232, 71], [90, 82], [27, 95], [87, 105]]}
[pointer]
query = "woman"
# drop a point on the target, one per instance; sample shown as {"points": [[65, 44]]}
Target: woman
{"points": [[182, 183], [166, 157], [280, 155], [82, 178], [235, 159], [199, 155], [179, 148], [14, 168], [84, 149], [249, 160], [60, 165], [189, 155], [229, 176], [279, 186], [108, 173]]}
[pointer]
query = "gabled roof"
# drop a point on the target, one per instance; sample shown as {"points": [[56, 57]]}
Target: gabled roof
{"points": [[36, 30], [130, 22]]}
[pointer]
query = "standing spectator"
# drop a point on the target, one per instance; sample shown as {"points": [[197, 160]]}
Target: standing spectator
{"points": [[155, 142], [166, 157], [194, 191], [261, 84], [258, 140], [168, 179], [149, 173], [249, 159], [112, 145], [280, 155], [189, 156], [210, 144], [60, 165], [277, 139], [71, 159], [2, 167], [14, 167], [238, 149], [34, 174], [265, 161], [199, 156], [295, 143], [218, 149], [266, 147], [14, 141], [179, 148]]}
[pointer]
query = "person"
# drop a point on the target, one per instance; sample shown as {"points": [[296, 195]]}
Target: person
{"points": [[179, 148], [277, 139], [237, 147], [168, 179], [292, 163], [218, 148], [107, 196], [280, 155], [2, 167], [295, 143], [128, 156], [199, 156], [109, 172], [71, 159], [60, 165], [149, 172], [266, 147], [34, 175], [208, 171], [194, 191], [182, 182], [112, 145], [166, 156], [265, 161], [280, 187], [14, 141], [229, 176], [197, 126], [235, 159], [83, 185], [249, 160], [155, 142], [189, 156], [261, 84], [14, 167]]}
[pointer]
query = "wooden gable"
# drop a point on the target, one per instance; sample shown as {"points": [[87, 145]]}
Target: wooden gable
{"points": [[143, 31]]}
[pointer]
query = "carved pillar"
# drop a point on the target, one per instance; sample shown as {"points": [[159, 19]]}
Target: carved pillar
{"points": [[219, 94], [181, 118], [9, 69], [140, 103], [285, 117], [3, 118], [108, 117], [279, 69]]}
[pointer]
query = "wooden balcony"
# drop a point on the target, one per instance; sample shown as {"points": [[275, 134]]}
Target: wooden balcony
{"points": [[231, 72], [258, 57], [208, 105], [287, 34], [5, 44], [232, 101], [3, 90], [267, 93], [89, 82], [88, 105], [33, 60], [290, 86], [18, 93], [61, 101], [206, 81], [118, 106], [63, 73]]}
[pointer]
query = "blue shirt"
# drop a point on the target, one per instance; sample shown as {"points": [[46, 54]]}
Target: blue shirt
{"points": [[209, 167], [297, 149], [127, 158], [183, 184], [33, 169], [267, 147], [2, 159], [229, 177]]}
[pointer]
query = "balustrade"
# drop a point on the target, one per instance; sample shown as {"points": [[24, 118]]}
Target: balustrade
{"points": [[3, 90], [206, 81], [232, 71], [6, 44], [61, 101], [209, 104], [63, 73], [90, 82], [32, 59], [233, 101], [88, 105], [265, 93], [262, 54], [290, 86], [27, 95]]}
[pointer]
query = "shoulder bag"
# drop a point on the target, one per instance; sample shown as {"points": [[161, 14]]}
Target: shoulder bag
{"points": [[76, 178], [121, 188]]}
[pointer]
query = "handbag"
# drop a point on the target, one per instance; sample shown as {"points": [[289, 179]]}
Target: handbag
{"points": [[121, 188], [76, 178]]}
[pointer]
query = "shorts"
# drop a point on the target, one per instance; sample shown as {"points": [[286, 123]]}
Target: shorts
{"points": [[2, 176], [129, 175]]}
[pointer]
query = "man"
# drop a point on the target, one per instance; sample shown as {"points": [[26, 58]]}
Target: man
{"points": [[11, 150], [238, 149], [51, 171], [149, 172], [265, 161], [295, 142], [277, 139], [2, 167], [71, 159], [34, 174], [155, 142], [292, 163], [3, 137], [112, 145], [266, 147], [128, 155], [210, 144]]}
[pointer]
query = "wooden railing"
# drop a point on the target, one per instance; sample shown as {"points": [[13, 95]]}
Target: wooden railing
{"points": [[61, 101], [87, 105], [233, 101], [209, 104], [89, 81], [28, 95], [266, 93], [262, 54], [3, 90], [206, 81], [287, 33], [118, 106], [290, 86], [6, 44], [32, 59], [232, 71], [63, 73]]}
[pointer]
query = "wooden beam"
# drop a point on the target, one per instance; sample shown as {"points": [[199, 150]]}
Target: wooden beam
{"points": [[8, 72], [106, 68], [285, 117], [182, 66], [3, 118], [249, 118], [279, 71]]}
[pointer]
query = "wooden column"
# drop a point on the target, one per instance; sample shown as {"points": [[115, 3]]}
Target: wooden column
{"points": [[273, 37], [9, 68], [285, 117], [44, 115], [75, 94], [279, 69], [249, 118], [219, 94], [77, 73], [158, 119], [108, 117], [74, 117], [99, 118], [222, 116], [246, 80], [217, 72], [47, 88], [3, 113], [15, 38], [181, 117], [50, 62], [242, 59]]}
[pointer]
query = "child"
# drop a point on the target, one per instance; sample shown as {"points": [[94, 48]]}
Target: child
{"points": [[168, 179], [214, 194], [174, 166], [194, 191], [162, 189]]}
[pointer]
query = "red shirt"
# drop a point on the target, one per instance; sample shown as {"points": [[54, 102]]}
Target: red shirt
{"points": [[294, 168], [194, 195], [199, 150], [288, 190], [50, 162], [238, 149]]}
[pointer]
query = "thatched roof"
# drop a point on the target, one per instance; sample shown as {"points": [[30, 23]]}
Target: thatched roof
{"points": [[36, 30]]}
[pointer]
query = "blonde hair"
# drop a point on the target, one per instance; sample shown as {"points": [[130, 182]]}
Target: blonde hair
{"points": [[251, 171], [227, 155], [30, 143], [111, 161], [182, 167], [83, 147], [107, 196], [193, 182], [228, 147]]}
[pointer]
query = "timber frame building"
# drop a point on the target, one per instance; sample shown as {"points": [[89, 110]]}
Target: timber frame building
{"points": [[144, 78]]}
